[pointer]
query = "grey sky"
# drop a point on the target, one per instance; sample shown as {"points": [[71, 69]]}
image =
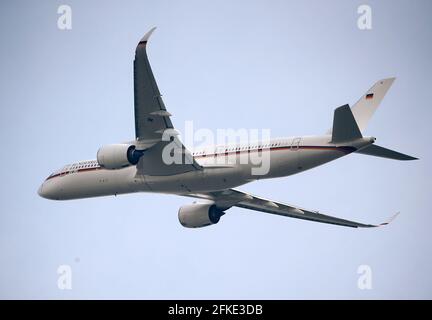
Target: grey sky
{"points": [[250, 64]]}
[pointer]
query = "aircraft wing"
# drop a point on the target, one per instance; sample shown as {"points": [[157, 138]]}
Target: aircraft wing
{"points": [[153, 126], [151, 116], [231, 197]]}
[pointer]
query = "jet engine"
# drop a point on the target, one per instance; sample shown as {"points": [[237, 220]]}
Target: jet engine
{"points": [[198, 215], [117, 156]]}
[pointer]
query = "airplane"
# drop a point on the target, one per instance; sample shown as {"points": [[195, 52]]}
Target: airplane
{"points": [[140, 166]]}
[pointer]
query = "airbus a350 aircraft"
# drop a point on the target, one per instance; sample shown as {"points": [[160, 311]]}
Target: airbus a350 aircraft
{"points": [[138, 166]]}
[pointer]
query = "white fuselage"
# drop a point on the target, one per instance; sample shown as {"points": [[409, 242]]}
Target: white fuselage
{"points": [[223, 167]]}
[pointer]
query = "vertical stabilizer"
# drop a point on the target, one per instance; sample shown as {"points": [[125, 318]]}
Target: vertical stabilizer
{"points": [[345, 127], [364, 109]]}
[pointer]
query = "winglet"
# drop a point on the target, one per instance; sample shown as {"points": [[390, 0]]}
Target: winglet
{"points": [[389, 220], [147, 36]]}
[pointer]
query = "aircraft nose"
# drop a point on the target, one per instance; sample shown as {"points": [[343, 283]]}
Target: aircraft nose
{"points": [[48, 191], [41, 191]]}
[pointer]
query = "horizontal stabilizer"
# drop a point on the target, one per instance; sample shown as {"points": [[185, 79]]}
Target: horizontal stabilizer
{"points": [[377, 151], [345, 127]]}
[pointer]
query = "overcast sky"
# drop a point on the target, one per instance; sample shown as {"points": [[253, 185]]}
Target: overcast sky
{"points": [[279, 65]]}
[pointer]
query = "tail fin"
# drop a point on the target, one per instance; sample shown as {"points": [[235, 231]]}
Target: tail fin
{"points": [[345, 127], [364, 109], [377, 151]]}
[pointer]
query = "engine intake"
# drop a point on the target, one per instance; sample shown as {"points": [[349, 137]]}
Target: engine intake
{"points": [[117, 156], [199, 215]]}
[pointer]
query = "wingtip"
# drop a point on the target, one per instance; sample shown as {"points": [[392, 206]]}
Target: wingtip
{"points": [[147, 35], [409, 158], [390, 220]]}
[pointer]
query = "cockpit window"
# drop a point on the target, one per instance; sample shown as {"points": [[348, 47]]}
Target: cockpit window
{"points": [[58, 172]]}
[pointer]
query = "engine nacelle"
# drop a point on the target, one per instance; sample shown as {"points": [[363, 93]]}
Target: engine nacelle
{"points": [[199, 215], [117, 156]]}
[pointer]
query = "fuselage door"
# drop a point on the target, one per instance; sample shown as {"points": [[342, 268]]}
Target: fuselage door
{"points": [[295, 148], [295, 145]]}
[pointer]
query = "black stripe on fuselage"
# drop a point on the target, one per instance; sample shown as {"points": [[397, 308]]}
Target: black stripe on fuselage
{"points": [[344, 149]]}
